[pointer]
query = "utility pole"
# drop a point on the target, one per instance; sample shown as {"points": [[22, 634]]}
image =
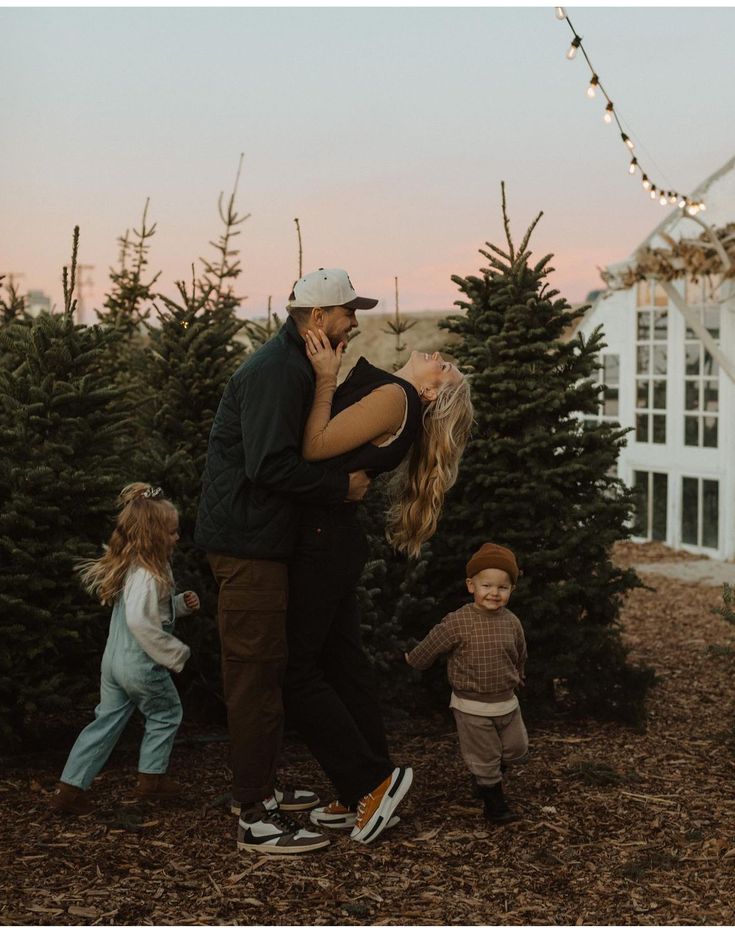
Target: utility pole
{"points": [[81, 268]]}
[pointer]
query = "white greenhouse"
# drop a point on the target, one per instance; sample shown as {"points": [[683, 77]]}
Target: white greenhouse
{"points": [[668, 318]]}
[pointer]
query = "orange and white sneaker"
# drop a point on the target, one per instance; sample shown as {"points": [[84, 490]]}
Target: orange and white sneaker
{"points": [[375, 811]]}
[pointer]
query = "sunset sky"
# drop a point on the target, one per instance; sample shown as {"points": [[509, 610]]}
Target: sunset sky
{"points": [[387, 131]]}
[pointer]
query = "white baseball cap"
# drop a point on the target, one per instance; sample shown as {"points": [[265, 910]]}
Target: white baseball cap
{"points": [[327, 287]]}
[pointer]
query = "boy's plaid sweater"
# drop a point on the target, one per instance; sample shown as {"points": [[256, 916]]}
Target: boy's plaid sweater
{"points": [[487, 652]]}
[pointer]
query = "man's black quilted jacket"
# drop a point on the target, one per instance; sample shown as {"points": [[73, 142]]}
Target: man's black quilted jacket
{"points": [[255, 476]]}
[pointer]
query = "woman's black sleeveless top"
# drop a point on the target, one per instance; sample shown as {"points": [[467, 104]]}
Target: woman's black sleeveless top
{"points": [[363, 379]]}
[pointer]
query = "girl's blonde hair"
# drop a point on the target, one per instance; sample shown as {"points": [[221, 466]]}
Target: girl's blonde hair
{"points": [[418, 487], [140, 537]]}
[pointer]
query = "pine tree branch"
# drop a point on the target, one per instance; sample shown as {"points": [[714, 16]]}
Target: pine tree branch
{"points": [[69, 280]]}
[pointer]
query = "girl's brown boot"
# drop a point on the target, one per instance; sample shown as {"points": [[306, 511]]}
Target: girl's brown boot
{"points": [[157, 786], [71, 800]]}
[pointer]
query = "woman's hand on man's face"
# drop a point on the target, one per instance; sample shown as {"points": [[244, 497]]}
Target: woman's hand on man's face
{"points": [[324, 359]]}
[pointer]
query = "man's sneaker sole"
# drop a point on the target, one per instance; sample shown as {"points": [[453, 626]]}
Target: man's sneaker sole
{"points": [[282, 848], [400, 784]]}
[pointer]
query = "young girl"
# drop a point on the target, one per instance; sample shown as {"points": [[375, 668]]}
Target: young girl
{"points": [[134, 574]]}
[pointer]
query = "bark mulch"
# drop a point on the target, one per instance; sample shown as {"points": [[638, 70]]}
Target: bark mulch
{"points": [[619, 826]]}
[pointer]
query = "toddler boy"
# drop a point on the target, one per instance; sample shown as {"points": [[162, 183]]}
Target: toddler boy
{"points": [[487, 654]]}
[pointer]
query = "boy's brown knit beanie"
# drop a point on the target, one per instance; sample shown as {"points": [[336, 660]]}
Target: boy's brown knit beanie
{"points": [[496, 556]]}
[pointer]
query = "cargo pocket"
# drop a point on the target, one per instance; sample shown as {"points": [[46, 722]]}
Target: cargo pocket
{"points": [[253, 626]]}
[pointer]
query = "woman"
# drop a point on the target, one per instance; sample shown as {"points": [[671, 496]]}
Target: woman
{"points": [[416, 421]]}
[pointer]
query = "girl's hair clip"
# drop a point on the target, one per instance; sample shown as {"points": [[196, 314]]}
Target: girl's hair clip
{"points": [[152, 493]]}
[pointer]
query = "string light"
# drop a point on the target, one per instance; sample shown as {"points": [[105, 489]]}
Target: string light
{"points": [[576, 42], [664, 196]]}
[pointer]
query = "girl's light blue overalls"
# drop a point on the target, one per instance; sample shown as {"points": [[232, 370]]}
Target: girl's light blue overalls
{"points": [[130, 679]]}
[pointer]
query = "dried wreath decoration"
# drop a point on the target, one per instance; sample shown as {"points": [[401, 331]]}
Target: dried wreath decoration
{"points": [[691, 258]]}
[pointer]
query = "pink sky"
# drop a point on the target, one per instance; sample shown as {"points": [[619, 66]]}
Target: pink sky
{"points": [[386, 131]]}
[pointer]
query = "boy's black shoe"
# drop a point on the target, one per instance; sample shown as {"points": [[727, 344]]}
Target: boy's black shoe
{"points": [[496, 808]]}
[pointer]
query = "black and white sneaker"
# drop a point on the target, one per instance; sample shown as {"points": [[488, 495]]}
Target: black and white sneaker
{"points": [[289, 799], [263, 829]]}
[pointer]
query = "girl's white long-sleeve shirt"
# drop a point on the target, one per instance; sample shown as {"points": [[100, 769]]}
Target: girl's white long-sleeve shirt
{"points": [[146, 611]]}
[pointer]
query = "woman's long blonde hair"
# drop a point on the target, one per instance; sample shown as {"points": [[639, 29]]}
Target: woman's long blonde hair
{"points": [[140, 537], [417, 489]]}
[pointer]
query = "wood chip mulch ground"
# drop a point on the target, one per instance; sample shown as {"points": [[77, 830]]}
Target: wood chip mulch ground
{"points": [[619, 826]]}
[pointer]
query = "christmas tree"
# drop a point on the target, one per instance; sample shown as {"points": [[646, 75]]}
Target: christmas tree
{"points": [[128, 304], [12, 304], [540, 479], [194, 347], [62, 431]]}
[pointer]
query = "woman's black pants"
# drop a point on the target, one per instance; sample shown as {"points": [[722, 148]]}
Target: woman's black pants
{"points": [[329, 689]]}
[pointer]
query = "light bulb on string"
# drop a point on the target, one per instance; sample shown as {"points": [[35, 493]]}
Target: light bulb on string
{"points": [[702, 206], [593, 83], [672, 197], [608, 114], [560, 12], [633, 166], [653, 192], [627, 141], [682, 203], [646, 182], [576, 42], [662, 199]]}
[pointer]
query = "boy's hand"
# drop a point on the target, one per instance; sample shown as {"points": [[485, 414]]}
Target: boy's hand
{"points": [[405, 655], [192, 600]]}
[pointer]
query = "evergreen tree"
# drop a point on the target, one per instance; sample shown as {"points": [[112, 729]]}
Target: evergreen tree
{"points": [[128, 304], [727, 609], [537, 478], [258, 333], [12, 305], [126, 308], [394, 598], [61, 430], [196, 345], [194, 350], [12, 310]]}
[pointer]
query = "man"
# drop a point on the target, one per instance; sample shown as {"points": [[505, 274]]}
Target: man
{"points": [[254, 480]]}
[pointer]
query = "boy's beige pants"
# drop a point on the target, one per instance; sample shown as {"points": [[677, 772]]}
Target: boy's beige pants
{"points": [[486, 740]]}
